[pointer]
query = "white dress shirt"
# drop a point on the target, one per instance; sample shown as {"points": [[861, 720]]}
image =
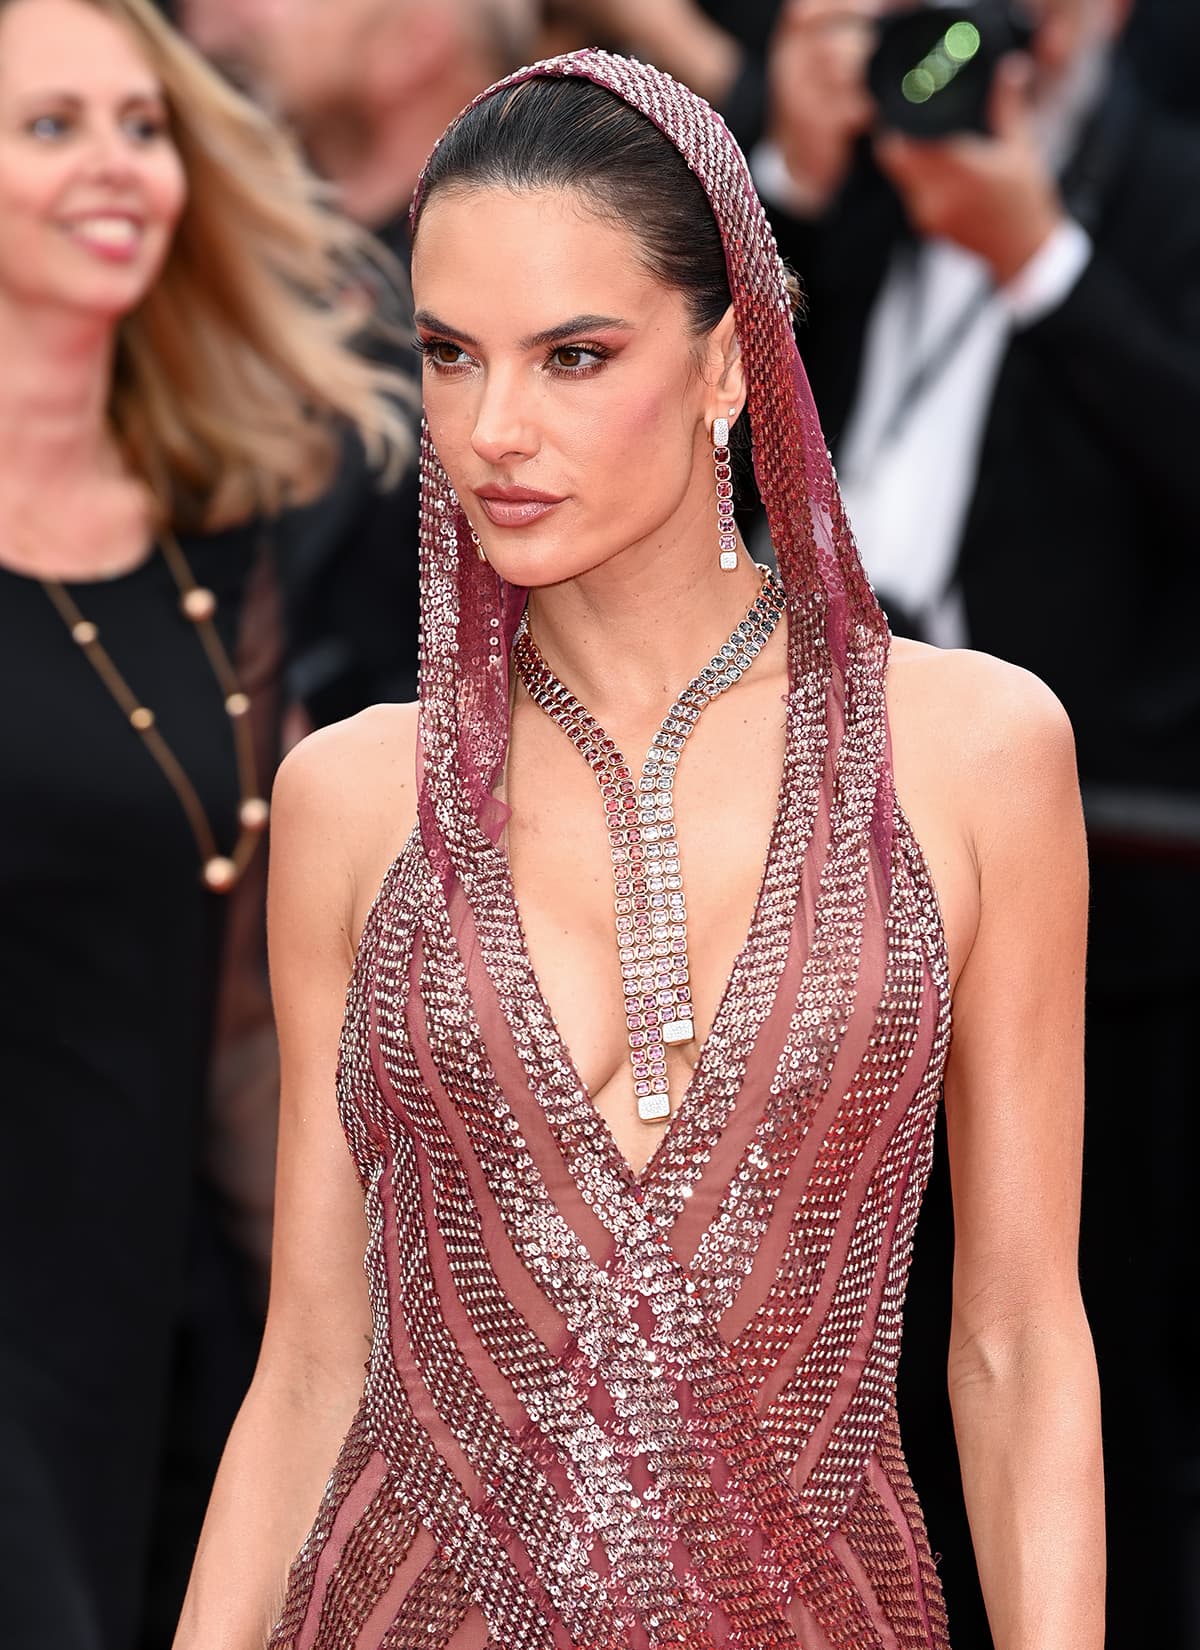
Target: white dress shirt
{"points": [[910, 456]]}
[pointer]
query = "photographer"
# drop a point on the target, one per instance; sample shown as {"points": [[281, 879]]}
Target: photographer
{"points": [[1003, 336]]}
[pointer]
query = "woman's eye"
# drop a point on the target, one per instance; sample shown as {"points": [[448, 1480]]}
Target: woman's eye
{"points": [[574, 357], [440, 352], [48, 127], [146, 128]]}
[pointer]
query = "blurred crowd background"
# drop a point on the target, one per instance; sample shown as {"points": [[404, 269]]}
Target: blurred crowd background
{"points": [[1003, 335]]}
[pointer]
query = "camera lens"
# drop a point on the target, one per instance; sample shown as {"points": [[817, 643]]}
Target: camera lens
{"points": [[932, 68], [945, 60]]}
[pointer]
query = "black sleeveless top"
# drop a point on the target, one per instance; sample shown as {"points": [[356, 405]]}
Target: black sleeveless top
{"points": [[108, 963]]}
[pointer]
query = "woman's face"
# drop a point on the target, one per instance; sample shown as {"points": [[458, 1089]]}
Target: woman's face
{"points": [[91, 184], [564, 390]]}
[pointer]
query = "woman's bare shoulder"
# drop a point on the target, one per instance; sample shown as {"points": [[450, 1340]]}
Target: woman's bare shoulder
{"points": [[353, 768], [984, 765], [964, 711], [345, 797]]}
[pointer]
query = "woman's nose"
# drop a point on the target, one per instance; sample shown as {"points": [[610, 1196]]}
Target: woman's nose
{"points": [[111, 152], [503, 428]]}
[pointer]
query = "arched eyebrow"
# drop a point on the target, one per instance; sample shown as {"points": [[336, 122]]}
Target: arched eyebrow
{"points": [[576, 327], [564, 332]]}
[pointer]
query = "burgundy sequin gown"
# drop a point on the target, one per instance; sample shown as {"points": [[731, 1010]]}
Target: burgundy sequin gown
{"points": [[619, 1411]]}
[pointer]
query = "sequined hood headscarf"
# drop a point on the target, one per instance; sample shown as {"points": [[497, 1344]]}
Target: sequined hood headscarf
{"points": [[469, 615]]}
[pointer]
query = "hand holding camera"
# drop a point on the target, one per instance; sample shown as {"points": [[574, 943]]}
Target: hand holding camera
{"points": [[947, 91], [992, 195]]}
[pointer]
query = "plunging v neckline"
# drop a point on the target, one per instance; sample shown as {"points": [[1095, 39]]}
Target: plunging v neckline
{"points": [[584, 1105]]}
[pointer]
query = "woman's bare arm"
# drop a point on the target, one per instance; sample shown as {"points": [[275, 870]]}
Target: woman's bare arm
{"points": [[327, 855], [1022, 1371]]}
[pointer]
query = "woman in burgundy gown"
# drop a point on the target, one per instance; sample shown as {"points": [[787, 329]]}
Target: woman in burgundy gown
{"points": [[637, 1176]]}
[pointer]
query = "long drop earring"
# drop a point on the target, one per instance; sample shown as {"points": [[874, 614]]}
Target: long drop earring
{"points": [[724, 475], [479, 550]]}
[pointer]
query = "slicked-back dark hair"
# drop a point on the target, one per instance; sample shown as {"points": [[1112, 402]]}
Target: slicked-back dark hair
{"points": [[569, 134]]}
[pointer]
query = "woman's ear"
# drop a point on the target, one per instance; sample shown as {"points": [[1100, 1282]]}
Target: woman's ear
{"points": [[726, 372]]}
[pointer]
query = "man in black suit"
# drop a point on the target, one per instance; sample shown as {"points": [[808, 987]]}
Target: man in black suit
{"points": [[1003, 335]]}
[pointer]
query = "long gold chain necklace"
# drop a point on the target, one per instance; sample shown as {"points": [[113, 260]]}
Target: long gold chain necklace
{"points": [[651, 913], [220, 872]]}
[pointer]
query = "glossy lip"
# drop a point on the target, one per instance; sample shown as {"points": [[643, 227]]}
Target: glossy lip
{"points": [[515, 506]]}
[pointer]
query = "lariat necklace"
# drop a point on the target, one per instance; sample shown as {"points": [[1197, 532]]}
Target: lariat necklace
{"points": [[219, 872], [651, 914]]}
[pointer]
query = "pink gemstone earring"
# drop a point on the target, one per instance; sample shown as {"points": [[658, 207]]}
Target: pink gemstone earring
{"points": [[724, 474]]}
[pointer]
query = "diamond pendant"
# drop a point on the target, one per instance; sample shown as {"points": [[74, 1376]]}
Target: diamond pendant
{"points": [[678, 1031]]}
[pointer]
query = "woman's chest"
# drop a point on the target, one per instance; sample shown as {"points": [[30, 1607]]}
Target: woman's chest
{"points": [[634, 907]]}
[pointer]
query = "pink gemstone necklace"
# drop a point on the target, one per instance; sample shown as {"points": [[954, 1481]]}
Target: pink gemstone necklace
{"points": [[651, 914]]}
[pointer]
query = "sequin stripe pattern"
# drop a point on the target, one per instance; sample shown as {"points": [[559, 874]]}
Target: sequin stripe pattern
{"points": [[477, 1535], [601, 1306], [622, 1524], [817, 1136], [918, 989], [355, 1076], [825, 997], [885, 1529], [871, 1531], [393, 912], [551, 1389], [432, 1612], [502, 1481], [758, 1193], [352, 1461], [649, 904], [756, 1505], [541, 1512], [863, 1192], [851, 1431], [720, 1388], [417, 1483], [610, 1333], [611, 1358], [458, 1045], [366, 1563], [894, 1471], [862, 1435]]}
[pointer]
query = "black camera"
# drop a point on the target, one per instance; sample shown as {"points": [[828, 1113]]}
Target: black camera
{"points": [[932, 68]]}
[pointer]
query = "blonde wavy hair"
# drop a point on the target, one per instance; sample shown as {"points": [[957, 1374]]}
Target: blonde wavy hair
{"points": [[236, 374]]}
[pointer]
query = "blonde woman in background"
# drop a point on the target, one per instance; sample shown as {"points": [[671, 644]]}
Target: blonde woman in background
{"points": [[177, 365]]}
